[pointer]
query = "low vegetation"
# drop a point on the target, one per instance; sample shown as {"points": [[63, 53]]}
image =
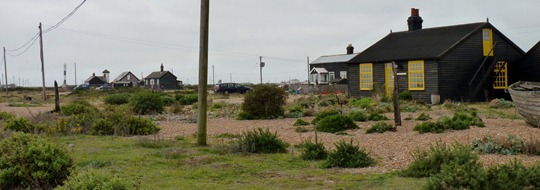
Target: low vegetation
{"points": [[381, 127], [313, 150], [263, 102], [335, 123], [460, 121], [348, 155], [260, 141]]}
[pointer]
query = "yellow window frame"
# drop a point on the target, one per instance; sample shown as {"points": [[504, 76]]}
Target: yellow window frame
{"points": [[366, 76], [501, 75], [416, 75]]}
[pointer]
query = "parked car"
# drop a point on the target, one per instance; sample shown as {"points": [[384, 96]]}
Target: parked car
{"points": [[82, 87], [103, 87], [230, 88]]}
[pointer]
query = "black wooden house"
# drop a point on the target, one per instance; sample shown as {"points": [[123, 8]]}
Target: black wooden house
{"points": [[530, 65], [467, 62], [331, 68], [161, 80]]}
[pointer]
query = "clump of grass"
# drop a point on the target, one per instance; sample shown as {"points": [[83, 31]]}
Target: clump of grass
{"points": [[348, 155], [300, 129], [313, 150], [300, 122], [381, 127], [335, 123], [324, 114], [459, 121], [376, 117], [358, 115], [489, 145], [423, 117], [228, 136], [260, 141]]}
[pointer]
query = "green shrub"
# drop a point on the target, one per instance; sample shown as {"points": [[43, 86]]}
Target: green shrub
{"points": [[376, 117], [78, 107], [429, 127], [383, 107], [459, 174], [488, 145], [260, 141], [264, 102], [300, 129], [510, 176], [381, 127], [300, 122], [423, 117], [348, 155], [147, 103], [141, 126], [362, 103], [30, 162], [167, 99], [324, 114], [313, 151], [91, 180], [335, 123], [500, 103], [187, 99], [358, 115], [405, 95], [6, 115], [19, 124], [116, 99], [102, 127], [81, 123], [428, 163]]}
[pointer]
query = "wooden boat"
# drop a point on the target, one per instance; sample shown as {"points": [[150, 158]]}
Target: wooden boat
{"points": [[526, 97]]}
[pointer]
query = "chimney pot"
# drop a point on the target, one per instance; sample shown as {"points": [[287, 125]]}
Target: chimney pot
{"points": [[415, 12], [415, 21], [161, 67], [350, 49]]}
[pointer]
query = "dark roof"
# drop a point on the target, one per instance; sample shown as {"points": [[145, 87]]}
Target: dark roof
{"points": [[122, 75], [429, 43], [158, 74], [102, 78]]}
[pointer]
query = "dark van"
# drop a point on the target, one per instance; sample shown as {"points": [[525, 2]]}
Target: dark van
{"points": [[230, 88]]}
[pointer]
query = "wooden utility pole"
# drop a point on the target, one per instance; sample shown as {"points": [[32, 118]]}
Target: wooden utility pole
{"points": [[397, 114], [213, 76], [308, 82], [42, 61], [203, 74], [76, 74], [5, 70], [261, 65]]}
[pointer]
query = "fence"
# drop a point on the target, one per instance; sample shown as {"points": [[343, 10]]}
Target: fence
{"points": [[324, 89]]}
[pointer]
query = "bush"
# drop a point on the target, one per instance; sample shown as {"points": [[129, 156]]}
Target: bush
{"points": [[423, 117], [429, 163], [260, 141], [459, 174], [19, 124], [381, 127], [300, 122], [324, 114], [429, 127], [358, 115], [116, 99], [405, 95], [348, 155], [376, 117], [167, 99], [147, 103], [313, 151], [91, 180], [141, 126], [102, 127], [264, 102], [5, 116], [30, 162], [488, 145], [78, 107], [362, 103], [335, 123], [187, 99]]}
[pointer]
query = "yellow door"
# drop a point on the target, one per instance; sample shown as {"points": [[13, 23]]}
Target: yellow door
{"points": [[388, 79]]}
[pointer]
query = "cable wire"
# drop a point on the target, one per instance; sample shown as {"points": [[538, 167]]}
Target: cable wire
{"points": [[65, 18]]}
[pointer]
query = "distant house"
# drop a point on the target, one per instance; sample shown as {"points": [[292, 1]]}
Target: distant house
{"points": [[470, 62], [530, 65], [331, 68], [126, 79], [161, 80], [98, 80]]}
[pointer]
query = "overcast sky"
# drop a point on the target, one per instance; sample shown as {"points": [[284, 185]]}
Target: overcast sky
{"points": [[139, 35]]}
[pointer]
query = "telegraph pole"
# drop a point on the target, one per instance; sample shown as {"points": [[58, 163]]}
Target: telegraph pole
{"points": [[213, 76], [203, 74], [261, 64], [42, 61], [397, 114], [308, 82], [5, 70], [76, 73]]}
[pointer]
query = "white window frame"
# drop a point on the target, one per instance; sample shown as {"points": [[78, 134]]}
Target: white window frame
{"points": [[343, 74]]}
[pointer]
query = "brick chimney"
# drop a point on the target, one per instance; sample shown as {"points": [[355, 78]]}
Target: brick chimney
{"points": [[415, 21], [350, 49], [161, 67]]}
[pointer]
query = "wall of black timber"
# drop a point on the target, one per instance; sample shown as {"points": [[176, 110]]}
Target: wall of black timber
{"points": [[530, 66], [167, 82], [458, 66], [331, 67], [94, 82]]}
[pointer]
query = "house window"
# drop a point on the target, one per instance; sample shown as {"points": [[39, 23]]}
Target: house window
{"points": [[157, 81], [366, 76], [146, 82], [343, 74], [416, 75], [332, 76], [501, 75], [128, 77], [487, 41], [151, 81]]}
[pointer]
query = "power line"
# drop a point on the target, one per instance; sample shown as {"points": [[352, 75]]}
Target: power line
{"points": [[65, 18]]}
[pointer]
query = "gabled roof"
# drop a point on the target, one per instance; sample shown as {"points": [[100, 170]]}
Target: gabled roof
{"points": [[343, 58], [429, 43], [122, 75], [158, 74], [318, 70], [102, 78]]}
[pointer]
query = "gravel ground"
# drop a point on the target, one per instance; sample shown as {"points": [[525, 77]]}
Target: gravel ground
{"points": [[392, 150]]}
